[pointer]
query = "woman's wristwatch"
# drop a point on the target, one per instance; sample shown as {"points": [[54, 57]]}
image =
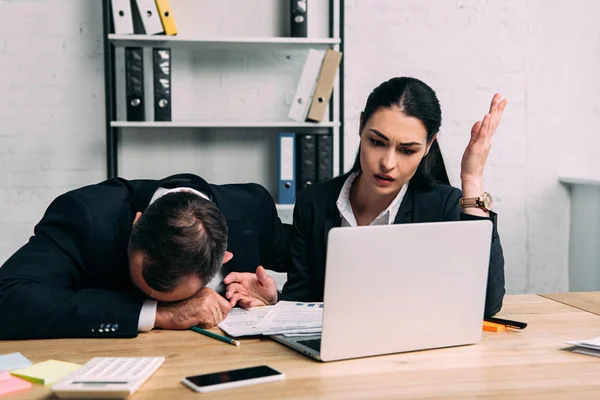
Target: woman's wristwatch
{"points": [[484, 202]]}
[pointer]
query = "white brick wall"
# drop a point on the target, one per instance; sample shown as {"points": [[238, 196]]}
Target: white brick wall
{"points": [[51, 108], [542, 55]]}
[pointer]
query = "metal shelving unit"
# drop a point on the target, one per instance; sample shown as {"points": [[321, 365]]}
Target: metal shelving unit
{"points": [[115, 127]]}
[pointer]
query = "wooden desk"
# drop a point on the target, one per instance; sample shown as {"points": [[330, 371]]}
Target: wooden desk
{"points": [[586, 301], [514, 364]]}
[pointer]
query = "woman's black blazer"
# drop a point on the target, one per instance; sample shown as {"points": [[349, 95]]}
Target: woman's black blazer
{"points": [[315, 213]]}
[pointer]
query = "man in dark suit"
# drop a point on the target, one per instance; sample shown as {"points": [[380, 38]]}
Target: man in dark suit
{"points": [[112, 259]]}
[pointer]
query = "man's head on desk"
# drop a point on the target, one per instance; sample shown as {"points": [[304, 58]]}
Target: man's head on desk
{"points": [[176, 246]]}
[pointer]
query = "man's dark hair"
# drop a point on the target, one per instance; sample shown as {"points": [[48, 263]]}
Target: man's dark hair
{"points": [[180, 234]]}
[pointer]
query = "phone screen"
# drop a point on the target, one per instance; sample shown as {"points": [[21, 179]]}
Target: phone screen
{"points": [[232, 375]]}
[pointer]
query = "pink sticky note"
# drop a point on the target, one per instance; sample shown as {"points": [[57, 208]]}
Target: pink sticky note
{"points": [[9, 383]]}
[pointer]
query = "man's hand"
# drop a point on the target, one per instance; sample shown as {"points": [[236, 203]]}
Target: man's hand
{"points": [[206, 309], [250, 290]]}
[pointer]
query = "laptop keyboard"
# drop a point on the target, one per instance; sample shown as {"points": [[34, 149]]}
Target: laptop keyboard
{"points": [[314, 344]]}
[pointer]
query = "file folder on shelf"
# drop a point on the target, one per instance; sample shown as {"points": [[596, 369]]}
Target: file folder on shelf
{"points": [[324, 87], [148, 19], [166, 17], [134, 83], [306, 85], [299, 27], [287, 168], [162, 84], [324, 157], [122, 18], [306, 160]]}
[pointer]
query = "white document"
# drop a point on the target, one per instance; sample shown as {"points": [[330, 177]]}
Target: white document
{"points": [[294, 331], [591, 343], [241, 322], [586, 351], [590, 347], [286, 317], [304, 332], [122, 18], [306, 85], [292, 317], [149, 16]]}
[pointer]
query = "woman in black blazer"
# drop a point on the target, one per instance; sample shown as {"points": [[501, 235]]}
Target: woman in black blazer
{"points": [[398, 177]]}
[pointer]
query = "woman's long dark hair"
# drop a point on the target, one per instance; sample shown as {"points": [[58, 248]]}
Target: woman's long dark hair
{"points": [[418, 100]]}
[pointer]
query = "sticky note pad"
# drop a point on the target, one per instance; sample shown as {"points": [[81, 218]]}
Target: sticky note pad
{"points": [[10, 384], [493, 327], [11, 361], [47, 372]]}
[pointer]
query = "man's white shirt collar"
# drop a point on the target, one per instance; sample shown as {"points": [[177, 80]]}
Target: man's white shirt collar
{"points": [[162, 191]]}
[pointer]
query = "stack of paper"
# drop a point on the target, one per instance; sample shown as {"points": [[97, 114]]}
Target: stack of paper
{"points": [[292, 318], [590, 347], [287, 317], [241, 322]]}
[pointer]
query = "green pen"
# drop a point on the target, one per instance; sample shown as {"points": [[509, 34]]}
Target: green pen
{"points": [[215, 336]]}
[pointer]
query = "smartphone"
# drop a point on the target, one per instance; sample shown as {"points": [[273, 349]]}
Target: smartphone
{"points": [[232, 378]]}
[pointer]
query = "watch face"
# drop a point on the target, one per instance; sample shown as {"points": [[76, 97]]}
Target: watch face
{"points": [[488, 202]]}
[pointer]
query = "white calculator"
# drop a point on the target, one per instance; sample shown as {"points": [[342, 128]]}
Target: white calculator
{"points": [[108, 377]]}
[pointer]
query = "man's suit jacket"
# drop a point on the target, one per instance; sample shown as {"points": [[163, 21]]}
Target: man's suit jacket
{"points": [[316, 213], [72, 277]]}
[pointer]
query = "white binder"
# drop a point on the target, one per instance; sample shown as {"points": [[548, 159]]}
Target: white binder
{"points": [[122, 18], [306, 85], [149, 16]]}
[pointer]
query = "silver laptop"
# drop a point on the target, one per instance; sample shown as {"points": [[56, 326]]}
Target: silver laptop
{"points": [[399, 288]]}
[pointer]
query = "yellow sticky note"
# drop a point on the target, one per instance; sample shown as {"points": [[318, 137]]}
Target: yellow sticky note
{"points": [[47, 372]]}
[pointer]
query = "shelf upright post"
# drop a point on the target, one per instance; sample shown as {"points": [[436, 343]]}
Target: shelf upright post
{"points": [[336, 105], [109, 93], [341, 83]]}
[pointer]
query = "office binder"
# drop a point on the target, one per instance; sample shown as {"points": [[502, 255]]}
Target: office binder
{"points": [[287, 168], [324, 157], [122, 18], [146, 18], [134, 83], [306, 160], [306, 85], [299, 15], [324, 87], [162, 84], [166, 17]]}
